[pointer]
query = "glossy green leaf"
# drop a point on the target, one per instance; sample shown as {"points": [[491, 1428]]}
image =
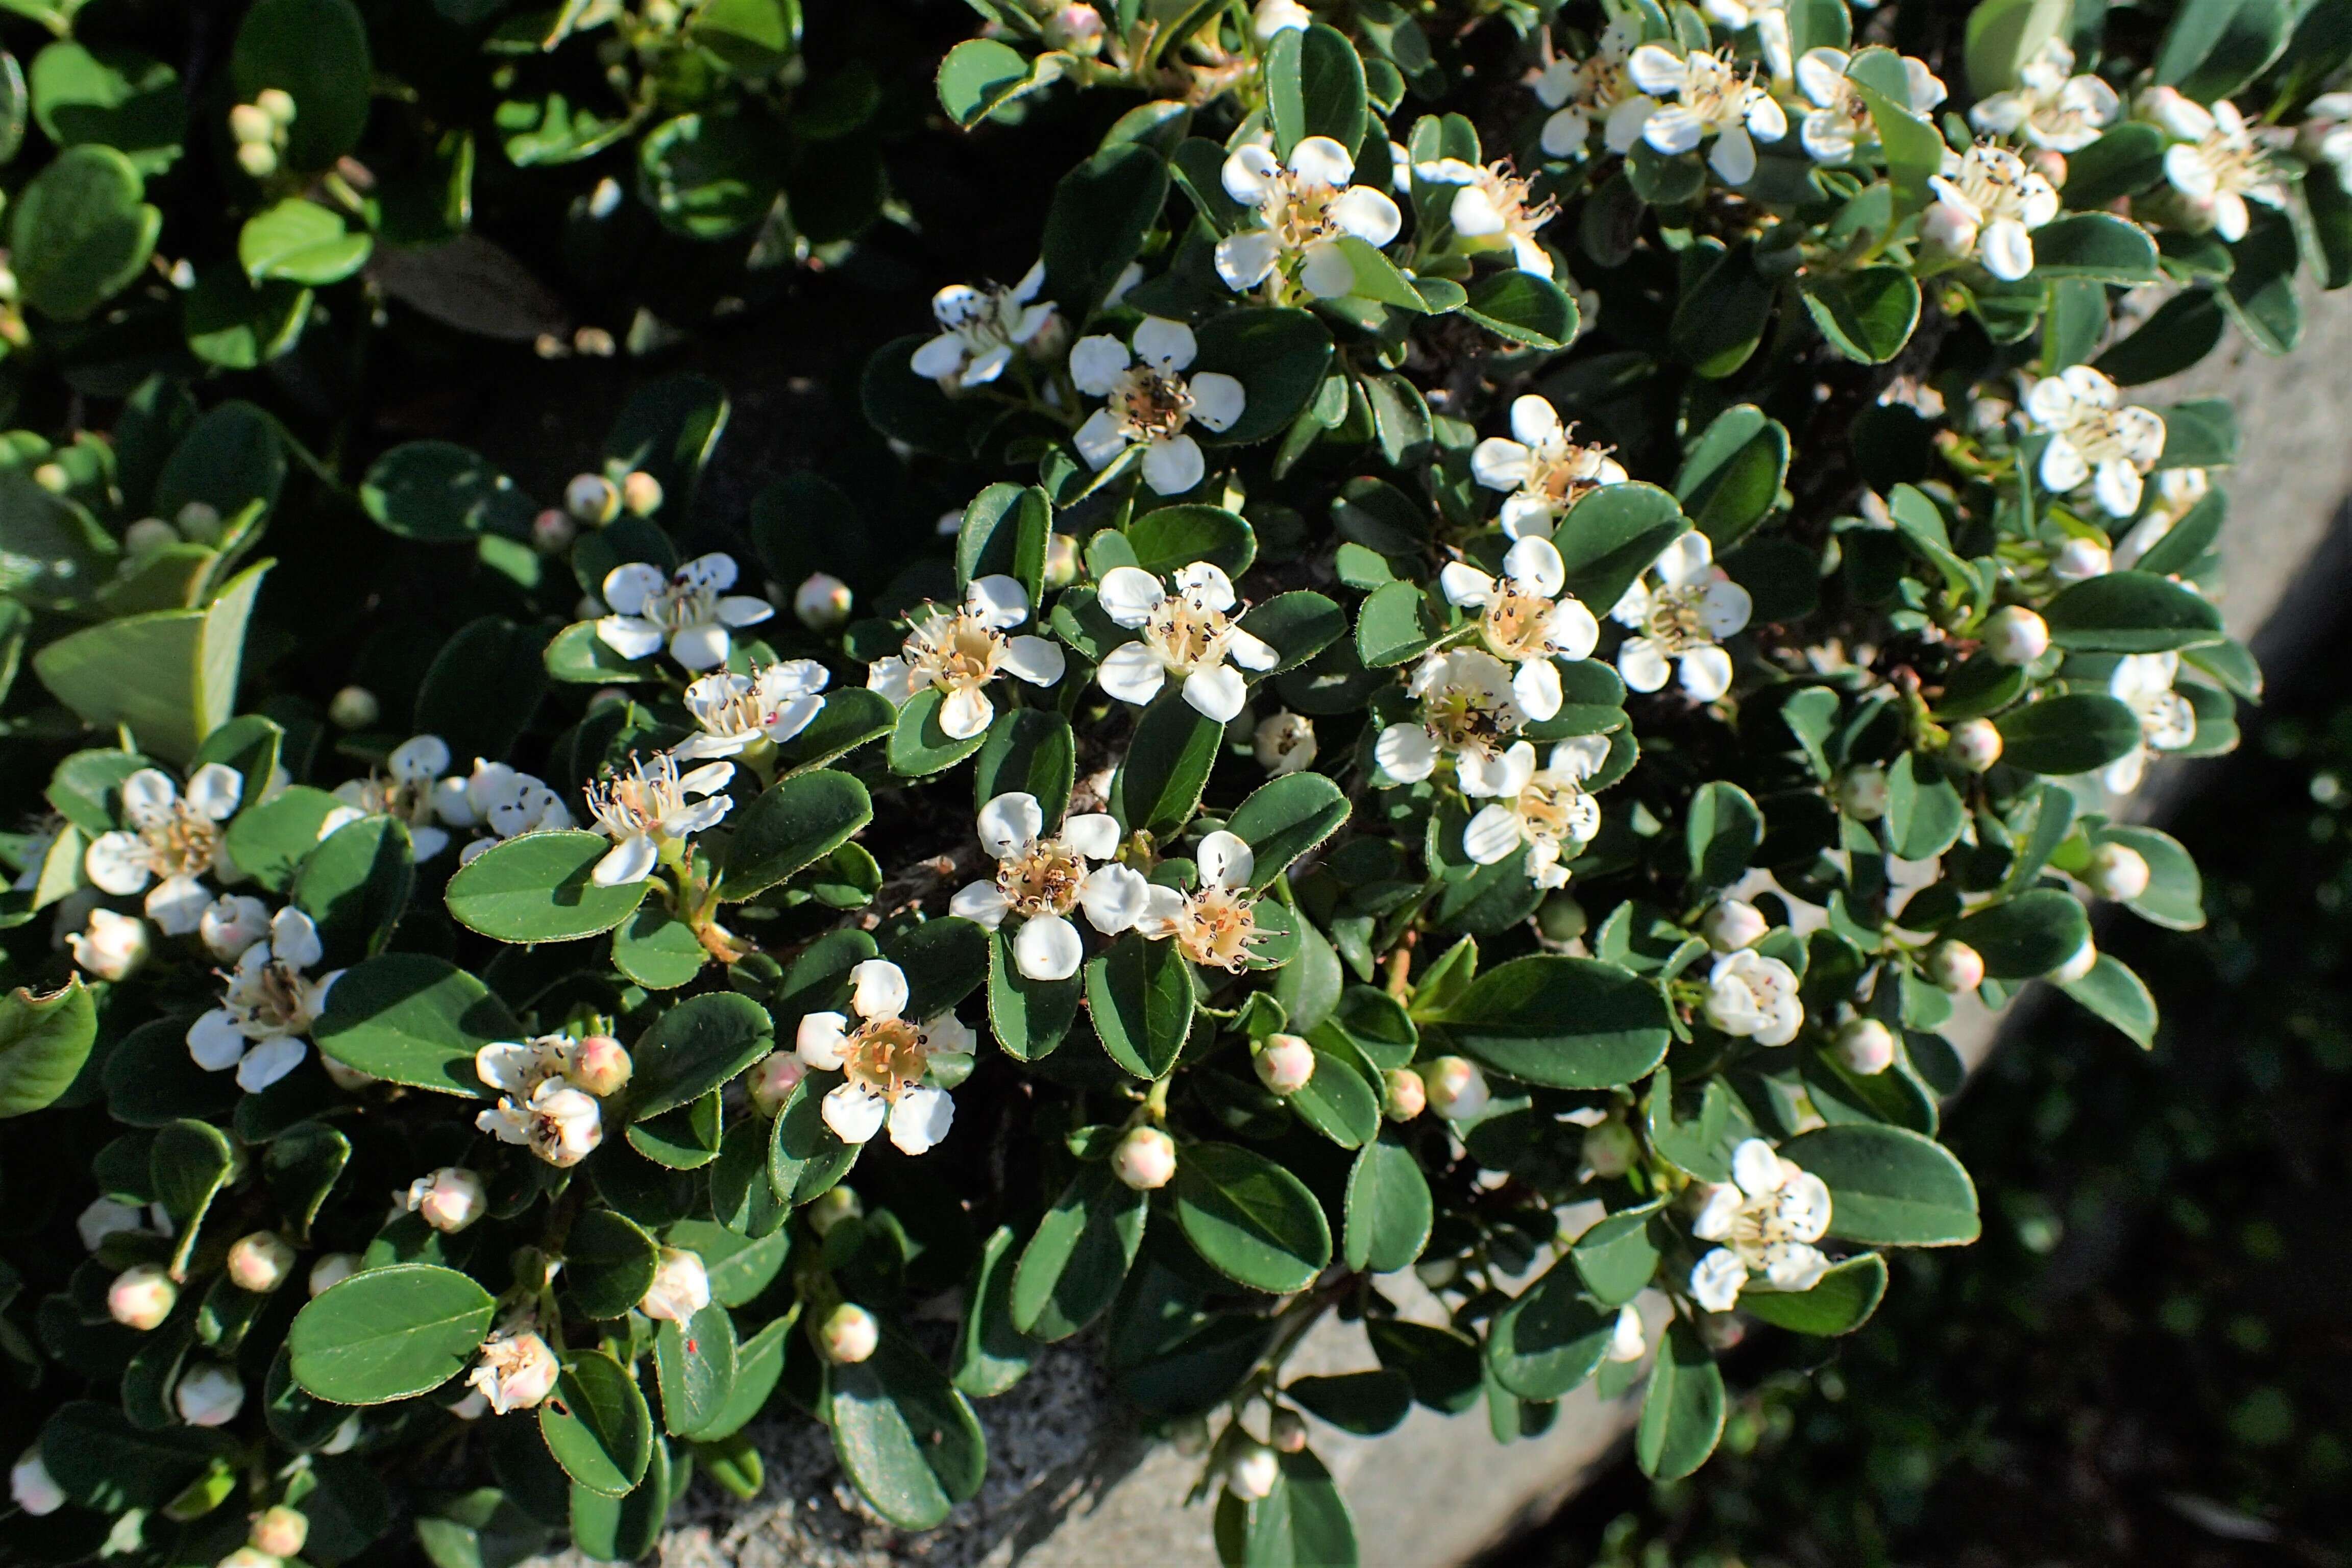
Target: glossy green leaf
{"points": [[1140, 995], [43, 1041], [537, 888], [1080, 1253], [412, 1018], [1252, 1220], [1889, 1186], [906, 1436], [1682, 1416], [1569, 1023], [388, 1333], [795, 822], [596, 1424]]}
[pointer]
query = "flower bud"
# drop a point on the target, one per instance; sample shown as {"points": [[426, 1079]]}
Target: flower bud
{"points": [[32, 1488], [113, 947], [591, 498], [1285, 1063], [641, 493], [681, 1286], [1076, 29], [1627, 1340], [2015, 635], [1610, 1148], [1954, 966], [2050, 164], [831, 1207], [1458, 1090], [53, 478], [850, 1334], [147, 535], [1283, 742], [281, 1531], [258, 159], [277, 103], [248, 1557], [201, 522], [354, 707], [1733, 923], [450, 1199], [1145, 1159], [249, 122], [516, 1372], [2086, 959], [102, 1218], [345, 1076], [1861, 793], [1865, 1046], [1288, 1431], [2080, 560], [822, 602], [1061, 559], [1252, 1469], [600, 1066], [552, 532], [773, 1079], [1561, 917], [260, 1262], [2116, 871], [1976, 744], [331, 1270], [231, 923], [1271, 17], [1402, 1094], [209, 1394], [141, 1297]]}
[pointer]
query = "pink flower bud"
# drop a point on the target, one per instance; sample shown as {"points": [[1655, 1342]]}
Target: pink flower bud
{"points": [[209, 1394], [1076, 29], [641, 493], [1145, 1159], [1861, 793], [1285, 1063], [2015, 635], [260, 1262], [2116, 871], [822, 602], [1865, 1046], [141, 1297], [552, 532], [1252, 1469], [599, 1066], [1403, 1095], [1976, 744], [32, 1488], [1733, 923], [2086, 959], [1954, 966], [591, 498], [280, 1532], [2080, 560], [516, 1372], [113, 947], [354, 707], [1458, 1090], [450, 1199], [1061, 549], [773, 1079], [850, 1334], [1288, 1431], [1610, 1148]]}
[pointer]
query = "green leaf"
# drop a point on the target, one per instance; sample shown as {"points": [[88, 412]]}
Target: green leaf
{"points": [[1550, 1338], [170, 678], [945, 960], [2214, 47], [231, 323], [1365, 1403], [411, 1019], [1315, 87], [1721, 834], [1566, 1022], [2131, 612], [2028, 935], [1285, 818], [919, 747], [537, 888], [1095, 227], [1029, 1018], [1298, 625], [1682, 1416], [805, 1158], [759, 1366], [1003, 534], [980, 75], [55, 554], [755, 37], [1725, 305], [1140, 995], [1522, 308], [102, 1462], [268, 841], [2070, 733], [1924, 809], [668, 429], [698, 1045], [1337, 1103], [355, 886], [683, 1138], [80, 232], [1841, 1301], [189, 1163], [1303, 1523], [298, 241], [2119, 996], [1176, 536], [388, 1333], [2126, 161], [1079, 1257], [850, 719], [1397, 622], [1389, 1207], [1612, 536], [1250, 1219], [1158, 786], [2175, 895], [1867, 314], [596, 1424], [1032, 751], [43, 1041], [119, 98], [795, 823], [710, 176], [694, 1365], [1280, 355], [906, 1436], [1731, 477], [991, 1355], [482, 688], [609, 1263], [1618, 1257], [2003, 35], [316, 51], [2099, 247], [657, 950], [625, 1528], [1889, 1186]]}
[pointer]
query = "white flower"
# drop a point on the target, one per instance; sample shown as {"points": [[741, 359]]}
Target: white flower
{"points": [[1492, 209], [689, 609], [1683, 620], [31, 1487], [1766, 1217], [1581, 92], [1545, 471], [1215, 924], [1188, 631], [681, 1286], [504, 803], [1149, 401], [112, 947], [1731, 925], [2143, 683], [957, 653], [1469, 710], [1526, 619], [2093, 437], [409, 789], [1039, 881], [1547, 809], [174, 840], [1769, 17], [652, 808], [1272, 16], [1986, 204], [1627, 1340], [2050, 106], [231, 923], [102, 1218], [980, 328], [1710, 98], [516, 1372], [2214, 162], [209, 1394], [268, 1006], [1749, 994], [1283, 742], [1302, 211], [1839, 123], [560, 1124], [450, 1199], [772, 703], [885, 1058], [2326, 135]]}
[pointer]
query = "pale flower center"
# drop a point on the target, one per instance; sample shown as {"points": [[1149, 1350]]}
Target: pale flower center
{"points": [[681, 605], [182, 845], [1768, 1220], [1677, 619], [953, 653], [1517, 623], [1994, 182], [1715, 92], [2104, 434], [884, 1055], [1187, 633], [1299, 210], [2238, 164], [1508, 194], [1045, 881], [1602, 82], [273, 1000], [986, 320], [1216, 928], [410, 802], [635, 801], [1551, 808], [1154, 406], [1562, 471], [1467, 718]]}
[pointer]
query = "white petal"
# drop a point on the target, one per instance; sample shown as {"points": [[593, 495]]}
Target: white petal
{"points": [[1715, 1280], [1010, 824], [1406, 753], [1821, 75], [1113, 896], [1217, 400], [1000, 603], [1129, 594], [1166, 345], [1536, 685], [2117, 487], [216, 788], [1324, 160], [215, 1042], [1173, 464], [1473, 214], [789, 718], [1132, 673], [879, 989], [1535, 565], [1465, 585], [743, 610], [1217, 693], [148, 796], [1767, 120], [1655, 70], [1093, 834], [1672, 129], [921, 1119], [1499, 465], [1327, 272], [629, 637], [294, 939], [1049, 947], [983, 903], [1251, 652], [966, 712], [1627, 122], [270, 1061], [1725, 609], [704, 647], [818, 1039], [1566, 131], [1643, 665], [177, 905], [2063, 467], [1035, 660], [1096, 364], [941, 356], [2007, 249], [1492, 836], [1245, 260], [1706, 674], [854, 1113], [1734, 155], [1248, 173], [1685, 562], [1570, 631], [1371, 215], [1226, 861], [1101, 438], [891, 677], [630, 860], [115, 863], [627, 586], [1756, 1167]]}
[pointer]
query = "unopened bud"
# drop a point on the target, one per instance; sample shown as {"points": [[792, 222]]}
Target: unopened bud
{"points": [[249, 122], [1861, 793], [1561, 917], [209, 1394], [32, 1488], [249, 1557], [1458, 1090], [1954, 966], [449, 1199], [831, 1207], [1610, 1148], [201, 522], [2116, 871], [258, 159], [1145, 1159], [147, 535], [1865, 1046], [1060, 561], [333, 1270], [1283, 742], [277, 103], [1627, 1340], [641, 493], [260, 1262], [112, 946], [1076, 29], [1285, 1063], [1733, 923], [2080, 560], [1288, 1431], [2086, 959], [1976, 744], [2015, 635], [552, 532], [600, 1066], [771, 1081], [53, 478], [2050, 164], [681, 1286], [1402, 1094], [141, 1297], [591, 498], [1252, 1469], [850, 1334], [822, 602], [354, 707], [281, 1531]]}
